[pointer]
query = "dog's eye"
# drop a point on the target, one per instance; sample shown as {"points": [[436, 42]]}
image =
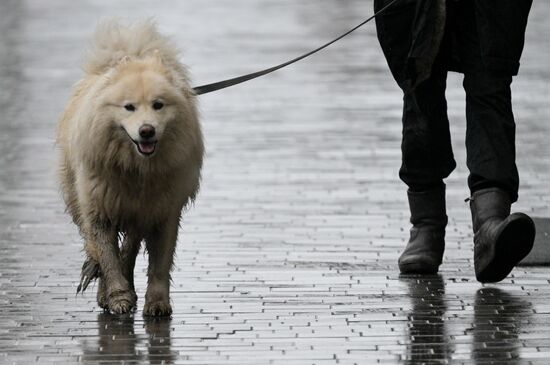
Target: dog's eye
{"points": [[130, 107], [157, 105]]}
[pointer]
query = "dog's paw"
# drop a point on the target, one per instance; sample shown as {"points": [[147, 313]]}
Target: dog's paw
{"points": [[121, 302], [102, 301], [158, 308]]}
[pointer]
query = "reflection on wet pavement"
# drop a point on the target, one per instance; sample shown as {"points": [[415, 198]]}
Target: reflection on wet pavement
{"points": [[426, 320], [499, 318], [289, 255], [498, 323], [117, 340]]}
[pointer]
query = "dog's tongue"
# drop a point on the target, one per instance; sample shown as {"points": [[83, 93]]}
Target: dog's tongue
{"points": [[147, 147]]}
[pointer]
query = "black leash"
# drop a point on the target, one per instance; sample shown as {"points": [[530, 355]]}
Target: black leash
{"points": [[204, 89]]}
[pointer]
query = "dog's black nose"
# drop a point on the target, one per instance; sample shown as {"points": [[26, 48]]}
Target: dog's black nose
{"points": [[147, 131]]}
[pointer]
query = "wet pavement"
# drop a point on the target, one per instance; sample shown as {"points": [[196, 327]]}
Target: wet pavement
{"points": [[290, 254]]}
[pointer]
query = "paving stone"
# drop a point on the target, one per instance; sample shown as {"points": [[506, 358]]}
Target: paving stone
{"points": [[540, 255], [289, 255]]}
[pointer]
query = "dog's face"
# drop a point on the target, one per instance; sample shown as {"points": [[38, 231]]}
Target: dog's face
{"points": [[142, 102]]}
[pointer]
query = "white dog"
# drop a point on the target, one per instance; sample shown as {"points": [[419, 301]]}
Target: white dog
{"points": [[131, 154]]}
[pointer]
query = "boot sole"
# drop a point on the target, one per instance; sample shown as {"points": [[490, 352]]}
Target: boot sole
{"points": [[513, 243], [418, 267]]}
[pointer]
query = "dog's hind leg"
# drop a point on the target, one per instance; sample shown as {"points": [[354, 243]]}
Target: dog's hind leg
{"points": [[90, 271], [161, 247], [128, 253]]}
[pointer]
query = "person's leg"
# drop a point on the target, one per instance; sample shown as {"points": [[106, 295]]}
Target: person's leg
{"points": [[427, 159], [427, 156], [501, 239], [490, 134]]}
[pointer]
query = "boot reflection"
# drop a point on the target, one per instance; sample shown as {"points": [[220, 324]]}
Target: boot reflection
{"points": [[426, 325], [498, 318]]}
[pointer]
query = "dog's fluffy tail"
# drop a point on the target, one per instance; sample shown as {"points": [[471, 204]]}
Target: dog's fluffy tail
{"points": [[90, 272], [114, 41]]}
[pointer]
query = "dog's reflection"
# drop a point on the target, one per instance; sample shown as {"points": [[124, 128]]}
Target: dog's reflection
{"points": [[498, 319], [118, 340], [159, 337], [426, 322]]}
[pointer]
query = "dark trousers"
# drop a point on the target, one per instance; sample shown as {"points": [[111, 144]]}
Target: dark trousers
{"points": [[427, 156]]}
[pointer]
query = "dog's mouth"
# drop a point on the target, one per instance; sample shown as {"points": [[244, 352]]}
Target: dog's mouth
{"points": [[146, 148]]}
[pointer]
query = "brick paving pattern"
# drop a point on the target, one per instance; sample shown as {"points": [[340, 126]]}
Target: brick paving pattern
{"points": [[290, 254]]}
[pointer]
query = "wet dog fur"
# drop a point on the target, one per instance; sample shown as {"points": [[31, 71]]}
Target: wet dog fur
{"points": [[123, 186]]}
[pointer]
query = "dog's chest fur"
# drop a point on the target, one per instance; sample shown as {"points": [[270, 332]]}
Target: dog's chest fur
{"points": [[132, 200]]}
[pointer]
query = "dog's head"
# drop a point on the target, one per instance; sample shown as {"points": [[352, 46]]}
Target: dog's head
{"points": [[144, 101]]}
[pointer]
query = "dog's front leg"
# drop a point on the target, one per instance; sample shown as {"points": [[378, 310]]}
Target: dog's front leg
{"points": [[115, 288], [128, 253], [160, 246]]}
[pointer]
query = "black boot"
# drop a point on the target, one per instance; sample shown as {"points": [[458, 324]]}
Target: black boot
{"points": [[501, 239], [424, 252]]}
